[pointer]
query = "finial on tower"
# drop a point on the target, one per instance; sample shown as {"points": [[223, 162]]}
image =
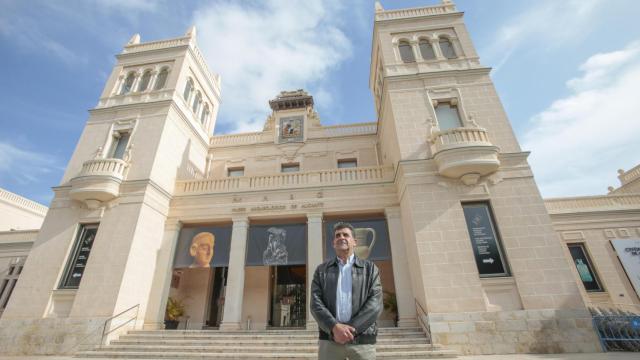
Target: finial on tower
{"points": [[379, 7], [135, 39], [191, 32]]}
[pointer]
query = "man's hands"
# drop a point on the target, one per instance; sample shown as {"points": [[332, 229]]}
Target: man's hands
{"points": [[343, 333]]}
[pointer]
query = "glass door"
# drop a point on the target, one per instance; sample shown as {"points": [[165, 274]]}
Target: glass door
{"points": [[288, 296]]}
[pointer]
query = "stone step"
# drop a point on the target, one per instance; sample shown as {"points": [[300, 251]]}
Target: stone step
{"points": [[257, 348], [251, 342], [384, 330], [240, 355], [252, 335]]}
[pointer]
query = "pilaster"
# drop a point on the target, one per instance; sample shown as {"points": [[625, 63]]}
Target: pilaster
{"points": [[154, 317], [401, 274], [314, 258], [232, 316]]}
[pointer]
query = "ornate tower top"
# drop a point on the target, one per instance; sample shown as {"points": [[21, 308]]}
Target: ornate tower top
{"points": [[288, 100]]}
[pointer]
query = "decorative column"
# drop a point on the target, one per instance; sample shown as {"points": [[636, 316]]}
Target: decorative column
{"points": [[314, 258], [401, 275], [232, 316], [154, 316]]}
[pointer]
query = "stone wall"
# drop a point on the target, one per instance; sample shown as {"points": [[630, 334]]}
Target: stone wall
{"points": [[49, 336], [521, 331]]}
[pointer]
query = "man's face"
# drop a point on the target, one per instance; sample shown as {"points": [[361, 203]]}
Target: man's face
{"points": [[343, 240], [202, 251]]}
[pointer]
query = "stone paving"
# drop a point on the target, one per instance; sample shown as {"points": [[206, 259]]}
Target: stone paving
{"points": [[582, 356]]}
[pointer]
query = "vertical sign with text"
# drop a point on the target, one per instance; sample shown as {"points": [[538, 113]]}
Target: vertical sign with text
{"points": [[484, 240]]}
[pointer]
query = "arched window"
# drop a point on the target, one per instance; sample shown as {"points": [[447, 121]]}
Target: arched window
{"points": [[205, 115], [197, 101], [426, 50], [128, 84], [406, 52], [447, 48], [188, 89], [144, 82], [162, 79]]}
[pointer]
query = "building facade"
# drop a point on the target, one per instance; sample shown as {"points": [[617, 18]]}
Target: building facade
{"points": [[152, 207]]}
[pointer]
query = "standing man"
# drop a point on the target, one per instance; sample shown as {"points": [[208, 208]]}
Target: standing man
{"points": [[346, 300]]}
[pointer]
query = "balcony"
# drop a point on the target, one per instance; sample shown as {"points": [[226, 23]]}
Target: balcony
{"points": [[98, 181], [464, 153]]}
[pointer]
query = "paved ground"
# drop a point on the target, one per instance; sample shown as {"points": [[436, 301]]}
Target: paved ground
{"points": [[596, 356]]}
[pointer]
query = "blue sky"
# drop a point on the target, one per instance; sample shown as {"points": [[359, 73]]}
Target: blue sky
{"points": [[567, 72]]}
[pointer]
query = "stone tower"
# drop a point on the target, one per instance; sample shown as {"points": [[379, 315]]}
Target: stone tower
{"points": [[462, 176], [151, 126]]}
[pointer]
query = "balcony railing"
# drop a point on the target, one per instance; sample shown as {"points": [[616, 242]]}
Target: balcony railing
{"points": [[464, 153], [414, 12], [104, 167], [361, 175]]}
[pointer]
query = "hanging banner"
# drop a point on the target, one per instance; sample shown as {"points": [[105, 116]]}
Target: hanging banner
{"points": [[629, 254], [203, 247], [371, 235], [277, 245], [484, 240]]}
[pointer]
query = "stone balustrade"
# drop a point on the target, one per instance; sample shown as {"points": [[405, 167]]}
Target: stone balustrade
{"points": [[586, 203], [369, 128], [362, 175], [415, 12], [23, 202], [104, 167], [236, 139], [629, 175], [155, 45], [464, 153]]}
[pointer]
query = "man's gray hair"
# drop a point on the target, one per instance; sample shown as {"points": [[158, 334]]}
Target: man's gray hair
{"points": [[343, 225]]}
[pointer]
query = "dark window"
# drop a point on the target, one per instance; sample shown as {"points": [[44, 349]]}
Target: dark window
{"points": [[485, 240], [79, 257], [162, 79], [119, 145], [144, 82], [347, 163], [233, 172], [448, 116], [447, 48], [406, 52], [9, 282], [127, 86], [426, 50], [286, 168], [585, 270]]}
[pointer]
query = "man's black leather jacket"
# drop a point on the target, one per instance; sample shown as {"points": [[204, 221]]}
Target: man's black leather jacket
{"points": [[366, 298]]}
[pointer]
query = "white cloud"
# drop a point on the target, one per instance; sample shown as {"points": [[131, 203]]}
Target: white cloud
{"points": [[579, 141], [266, 47], [24, 166], [545, 24]]}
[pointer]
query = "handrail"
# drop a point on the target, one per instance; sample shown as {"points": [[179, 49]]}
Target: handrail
{"points": [[425, 326], [104, 327]]}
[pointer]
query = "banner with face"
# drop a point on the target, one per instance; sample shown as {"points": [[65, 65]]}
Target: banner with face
{"points": [[203, 247]]}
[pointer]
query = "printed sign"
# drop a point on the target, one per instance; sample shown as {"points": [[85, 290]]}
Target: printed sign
{"points": [[203, 247], [483, 240], [291, 128], [628, 251]]}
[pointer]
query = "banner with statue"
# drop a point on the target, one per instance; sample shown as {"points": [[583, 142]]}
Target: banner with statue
{"points": [[203, 247], [277, 245], [371, 235]]}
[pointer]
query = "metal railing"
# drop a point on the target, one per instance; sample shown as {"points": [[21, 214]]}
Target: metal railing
{"points": [[110, 321], [423, 323], [618, 329]]}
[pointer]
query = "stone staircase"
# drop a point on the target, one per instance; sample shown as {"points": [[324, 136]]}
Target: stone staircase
{"points": [[393, 343]]}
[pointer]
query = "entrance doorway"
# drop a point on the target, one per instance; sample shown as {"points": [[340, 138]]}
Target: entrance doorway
{"points": [[288, 296], [216, 300]]}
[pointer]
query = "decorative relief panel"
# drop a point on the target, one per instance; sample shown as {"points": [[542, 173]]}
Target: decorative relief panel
{"points": [[572, 235], [609, 233]]}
